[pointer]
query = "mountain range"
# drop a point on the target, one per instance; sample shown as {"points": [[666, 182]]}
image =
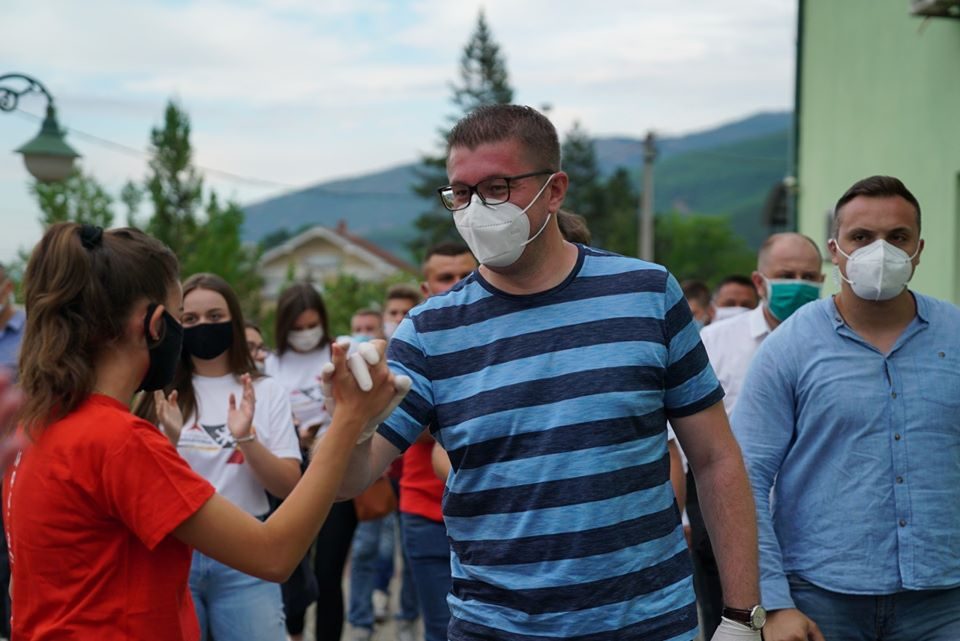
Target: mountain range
{"points": [[727, 170]]}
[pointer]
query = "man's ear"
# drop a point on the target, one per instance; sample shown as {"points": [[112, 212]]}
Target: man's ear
{"points": [[425, 289], [557, 190], [759, 285]]}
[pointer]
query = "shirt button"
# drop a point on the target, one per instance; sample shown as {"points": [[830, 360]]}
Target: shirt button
{"points": [[903, 523], [899, 479], [893, 394], [896, 437]]}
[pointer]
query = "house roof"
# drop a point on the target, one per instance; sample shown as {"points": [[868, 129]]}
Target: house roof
{"points": [[340, 237]]}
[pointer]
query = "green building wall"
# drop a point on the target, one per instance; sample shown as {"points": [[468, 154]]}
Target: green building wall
{"points": [[879, 93]]}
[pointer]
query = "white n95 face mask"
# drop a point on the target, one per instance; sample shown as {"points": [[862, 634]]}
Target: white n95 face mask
{"points": [[878, 271], [304, 340], [497, 234]]}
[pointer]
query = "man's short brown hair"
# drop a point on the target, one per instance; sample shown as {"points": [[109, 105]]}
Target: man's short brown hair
{"points": [[496, 123], [403, 292], [874, 187]]}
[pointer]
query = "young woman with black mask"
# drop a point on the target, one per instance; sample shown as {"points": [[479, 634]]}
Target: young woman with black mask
{"points": [[242, 461], [101, 511]]}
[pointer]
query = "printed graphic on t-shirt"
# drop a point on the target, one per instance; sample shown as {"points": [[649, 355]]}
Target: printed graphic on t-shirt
{"points": [[211, 437], [308, 407]]}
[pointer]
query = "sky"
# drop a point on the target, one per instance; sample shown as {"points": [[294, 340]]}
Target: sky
{"points": [[289, 93]]}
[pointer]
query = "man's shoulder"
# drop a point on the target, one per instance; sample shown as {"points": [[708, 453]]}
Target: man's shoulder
{"points": [[612, 260], [937, 309]]}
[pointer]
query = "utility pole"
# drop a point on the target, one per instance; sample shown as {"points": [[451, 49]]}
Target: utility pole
{"points": [[645, 228]]}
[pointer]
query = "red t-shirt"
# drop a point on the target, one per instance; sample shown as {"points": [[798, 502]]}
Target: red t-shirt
{"points": [[89, 508], [420, 490]]}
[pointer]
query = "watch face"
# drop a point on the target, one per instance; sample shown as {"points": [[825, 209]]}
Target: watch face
{"points": [[758, 617]]}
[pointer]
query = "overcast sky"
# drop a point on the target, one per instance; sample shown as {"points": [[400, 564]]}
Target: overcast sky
{"points": [[295, 92]]}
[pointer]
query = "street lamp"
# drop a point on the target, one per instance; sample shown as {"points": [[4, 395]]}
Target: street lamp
{"points": [[48, 157]]}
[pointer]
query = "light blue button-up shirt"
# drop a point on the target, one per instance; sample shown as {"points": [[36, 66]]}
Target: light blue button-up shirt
{"points": [[10, 337], [862, 450]]}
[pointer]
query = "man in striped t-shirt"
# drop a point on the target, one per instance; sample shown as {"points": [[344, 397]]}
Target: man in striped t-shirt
{"points": [[548, 376]]}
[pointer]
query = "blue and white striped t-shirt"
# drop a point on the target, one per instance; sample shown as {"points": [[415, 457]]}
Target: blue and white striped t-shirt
{"points": [[553, 407]]}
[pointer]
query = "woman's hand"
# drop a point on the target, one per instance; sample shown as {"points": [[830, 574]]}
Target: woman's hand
{"points": [[240, 419], [169, 416], [349, 398]]}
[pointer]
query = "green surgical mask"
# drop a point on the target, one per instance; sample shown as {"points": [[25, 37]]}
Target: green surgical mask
{"points": [[785, 296]]}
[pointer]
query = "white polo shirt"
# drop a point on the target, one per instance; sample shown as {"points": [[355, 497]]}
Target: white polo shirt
{"points": [[730, 345]]}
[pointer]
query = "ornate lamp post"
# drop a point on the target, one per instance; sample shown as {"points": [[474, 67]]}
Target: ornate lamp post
{"points": [[47, 156]]}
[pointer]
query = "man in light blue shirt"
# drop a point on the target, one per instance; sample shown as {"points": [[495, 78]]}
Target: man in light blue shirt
{"points": [[851, 413]]}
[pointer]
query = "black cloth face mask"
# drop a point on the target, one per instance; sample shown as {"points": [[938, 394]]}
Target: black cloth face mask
{"points": [[164, 352], [206, 341]]}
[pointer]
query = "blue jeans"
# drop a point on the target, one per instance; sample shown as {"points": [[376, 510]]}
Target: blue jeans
{"points": [[234, 606], [373, 543], [428, 553], [909, 615]]}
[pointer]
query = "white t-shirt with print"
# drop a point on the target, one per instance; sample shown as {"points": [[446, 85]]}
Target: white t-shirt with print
{"points": [[299, 374], [207, 445]]}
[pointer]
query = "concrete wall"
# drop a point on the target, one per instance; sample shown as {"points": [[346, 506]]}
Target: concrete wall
{"points": [[880, 94]]}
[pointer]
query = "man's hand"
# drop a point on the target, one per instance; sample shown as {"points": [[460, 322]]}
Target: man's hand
{"points": [[790, 624], [729, 630], [366, 356]]}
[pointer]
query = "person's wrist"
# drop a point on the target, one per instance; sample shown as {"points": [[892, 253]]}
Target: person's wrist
{"points": [[250, 437]]}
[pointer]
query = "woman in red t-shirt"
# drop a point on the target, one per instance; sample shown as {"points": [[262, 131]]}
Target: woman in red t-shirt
{"points": [[101, 512]]}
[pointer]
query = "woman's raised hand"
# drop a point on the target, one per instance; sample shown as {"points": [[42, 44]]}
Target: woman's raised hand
{"points": [[169, 416], [240, 418]]}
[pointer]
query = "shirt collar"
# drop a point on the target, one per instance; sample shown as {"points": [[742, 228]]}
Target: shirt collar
{"points": [[922, 305], [758, 322]]}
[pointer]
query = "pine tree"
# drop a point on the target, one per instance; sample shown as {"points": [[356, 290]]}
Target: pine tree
{"points": [[585, 195], [174, 185], [483, 81]]}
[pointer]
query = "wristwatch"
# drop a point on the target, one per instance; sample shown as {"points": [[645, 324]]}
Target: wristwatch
{"points": [[754, 618]]}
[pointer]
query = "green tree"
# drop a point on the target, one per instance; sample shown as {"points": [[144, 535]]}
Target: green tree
{"points": [[79, 198], [217, 248], [701, 247], [346, 294], [618, 223], [131, 195], [586, 194], [174, 185], [483, 81]]}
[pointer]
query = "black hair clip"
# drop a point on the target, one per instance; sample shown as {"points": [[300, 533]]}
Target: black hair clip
{"points": [[91, 235]]}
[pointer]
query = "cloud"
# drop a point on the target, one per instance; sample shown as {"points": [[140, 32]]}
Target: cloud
{"points": [[297, 91]]}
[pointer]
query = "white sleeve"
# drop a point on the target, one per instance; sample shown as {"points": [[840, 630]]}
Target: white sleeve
{"points": [[277, 432]]}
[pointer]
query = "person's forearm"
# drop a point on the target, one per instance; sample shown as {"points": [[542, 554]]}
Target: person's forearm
{"points": [[277, 475], [272, 550], [730, 516], [297, 521], [358, 475]]}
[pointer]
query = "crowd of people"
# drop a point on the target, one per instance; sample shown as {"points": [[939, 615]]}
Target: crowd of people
{"points": [[556, 442]]}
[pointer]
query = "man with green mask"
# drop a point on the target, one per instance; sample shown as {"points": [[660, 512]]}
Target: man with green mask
{"points": [[789, 274]]}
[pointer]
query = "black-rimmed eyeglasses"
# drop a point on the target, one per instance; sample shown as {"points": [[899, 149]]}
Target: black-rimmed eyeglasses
{"points": [[491, 191]]}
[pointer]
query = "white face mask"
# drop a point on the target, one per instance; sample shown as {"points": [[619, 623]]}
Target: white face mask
{"points": [[389, 327], [497, 234], [879, 271], [304, 340], [723, 313]]}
